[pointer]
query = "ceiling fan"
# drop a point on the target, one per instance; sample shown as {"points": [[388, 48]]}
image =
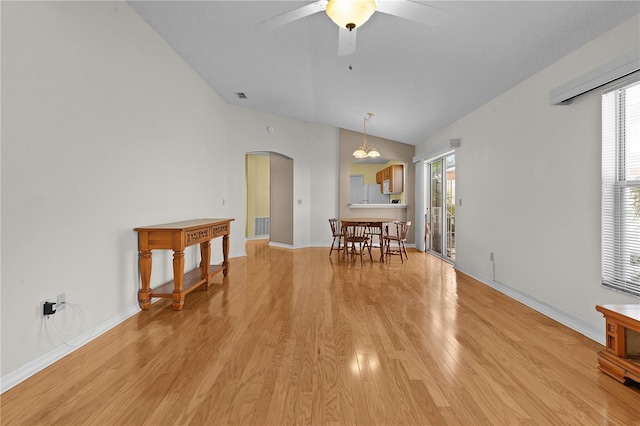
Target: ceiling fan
{"points": [[349, 15]]}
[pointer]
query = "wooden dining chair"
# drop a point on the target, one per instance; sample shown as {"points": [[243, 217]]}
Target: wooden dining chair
{"points": [[357, 241], [375, 234], [399, 237], [338, 236]]}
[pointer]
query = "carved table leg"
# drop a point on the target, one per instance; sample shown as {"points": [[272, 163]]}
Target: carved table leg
{"points": [[205, 256], [144, 295], [178, 276], [225, 255]]}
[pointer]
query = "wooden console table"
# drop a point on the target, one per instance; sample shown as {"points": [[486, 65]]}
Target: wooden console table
{"points": [[177, 236], [621, 357]]}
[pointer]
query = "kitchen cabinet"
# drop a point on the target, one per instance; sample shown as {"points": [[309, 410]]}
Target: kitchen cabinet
{"points": [[391, 179]]}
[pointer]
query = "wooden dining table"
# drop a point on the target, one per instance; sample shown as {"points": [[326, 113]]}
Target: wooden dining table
{"points": [[374, 223]]}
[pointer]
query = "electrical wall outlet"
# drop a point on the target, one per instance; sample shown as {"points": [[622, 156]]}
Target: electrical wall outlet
{"points": [[61, 302]]}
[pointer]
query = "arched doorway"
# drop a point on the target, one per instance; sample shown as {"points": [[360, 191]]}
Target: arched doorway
{"points": [[269, 197]]}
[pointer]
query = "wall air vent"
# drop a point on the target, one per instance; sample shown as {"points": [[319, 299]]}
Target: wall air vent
{"points": [[240, 95], [261, 226]]}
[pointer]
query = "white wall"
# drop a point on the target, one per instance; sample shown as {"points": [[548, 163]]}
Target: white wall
{"points": [[314, 149], [529, 177], [104, 129]]}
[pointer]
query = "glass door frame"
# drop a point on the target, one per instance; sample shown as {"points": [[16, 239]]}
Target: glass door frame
{"points": [[440, 206]]}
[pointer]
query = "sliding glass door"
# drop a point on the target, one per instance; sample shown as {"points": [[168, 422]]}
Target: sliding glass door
{"points": [[441, 207], [434, 209]]}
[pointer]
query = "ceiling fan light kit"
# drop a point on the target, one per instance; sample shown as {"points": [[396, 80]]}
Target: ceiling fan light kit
{"points": [[350, 14]]}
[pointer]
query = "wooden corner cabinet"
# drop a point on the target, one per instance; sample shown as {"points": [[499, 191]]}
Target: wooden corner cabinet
{"points": [[177, 236], [621, 357]]}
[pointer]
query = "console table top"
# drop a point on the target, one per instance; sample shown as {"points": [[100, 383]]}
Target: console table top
{"points": [[629, 311], [186, 224]]}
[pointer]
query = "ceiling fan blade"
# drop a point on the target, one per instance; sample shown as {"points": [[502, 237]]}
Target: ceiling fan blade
{"points": [[293, 15], [346, 41], [421, 13]]}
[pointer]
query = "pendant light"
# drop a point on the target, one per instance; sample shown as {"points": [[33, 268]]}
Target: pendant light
{"points": [[365, 150]]}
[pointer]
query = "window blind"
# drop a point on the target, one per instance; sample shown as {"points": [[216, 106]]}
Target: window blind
{"points": [[621, 188]]}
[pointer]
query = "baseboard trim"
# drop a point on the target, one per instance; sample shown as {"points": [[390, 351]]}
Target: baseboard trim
{"points": [[10, 380], [564, 318], [284, 246]]}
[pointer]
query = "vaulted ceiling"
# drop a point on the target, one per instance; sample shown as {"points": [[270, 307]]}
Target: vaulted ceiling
{"points": [[415, 78]]}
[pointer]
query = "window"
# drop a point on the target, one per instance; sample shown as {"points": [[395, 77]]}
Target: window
{"points": [[621, 188]]}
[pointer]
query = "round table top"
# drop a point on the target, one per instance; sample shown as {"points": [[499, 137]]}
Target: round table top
{"points": [[367, 219]]}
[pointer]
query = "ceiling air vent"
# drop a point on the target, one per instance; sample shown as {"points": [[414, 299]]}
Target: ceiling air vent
{"points": [[240, 95]]}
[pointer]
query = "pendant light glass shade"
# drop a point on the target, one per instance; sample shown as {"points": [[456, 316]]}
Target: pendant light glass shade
{"points": [[359, 153], [350, 13], [373, 153]]}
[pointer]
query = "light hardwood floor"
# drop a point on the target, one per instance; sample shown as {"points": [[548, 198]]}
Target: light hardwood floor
{"points": [[295, 337]]}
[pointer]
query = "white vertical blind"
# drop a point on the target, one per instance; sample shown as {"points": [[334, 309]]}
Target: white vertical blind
{"points": [[621, 188]]}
